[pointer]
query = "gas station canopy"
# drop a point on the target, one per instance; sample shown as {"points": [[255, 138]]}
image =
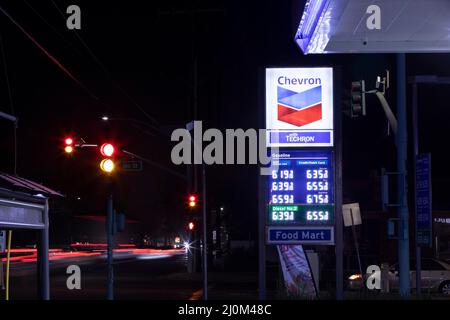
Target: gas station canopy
{"points": [[341, 26]]}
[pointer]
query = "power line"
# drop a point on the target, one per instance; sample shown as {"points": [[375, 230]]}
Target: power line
{"points": [[50, 56], [55, 30], [107, 73], [8, 85], [5, 68]]}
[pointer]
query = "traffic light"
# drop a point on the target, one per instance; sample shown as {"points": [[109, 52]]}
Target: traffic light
{"points": [[107, 150], [358, 99], [107, 165], [191, 226], [192, 201], [68, 145]]}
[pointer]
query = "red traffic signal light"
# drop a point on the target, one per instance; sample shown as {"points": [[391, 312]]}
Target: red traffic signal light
{"points": [[191, 226], [192, 201], [107, 150]]}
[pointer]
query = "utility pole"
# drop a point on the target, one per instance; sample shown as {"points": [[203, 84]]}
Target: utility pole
{"points": [[205, 238], [402, 193], [415, 124]]}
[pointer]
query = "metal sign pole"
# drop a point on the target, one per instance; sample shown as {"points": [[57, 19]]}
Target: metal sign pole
{"points": [[261, 239], [339, 223], [356, 245], [416, 153]]}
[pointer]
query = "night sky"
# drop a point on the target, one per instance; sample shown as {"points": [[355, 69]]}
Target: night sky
{"points": [[138, 62]]}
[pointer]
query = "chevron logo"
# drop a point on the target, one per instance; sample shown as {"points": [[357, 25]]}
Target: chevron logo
{"points": [[299, 108]]}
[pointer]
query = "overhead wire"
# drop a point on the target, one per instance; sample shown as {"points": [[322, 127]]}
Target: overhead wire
{"points": [[105, 70], [8, 86], [49, 55], [55, 30]]}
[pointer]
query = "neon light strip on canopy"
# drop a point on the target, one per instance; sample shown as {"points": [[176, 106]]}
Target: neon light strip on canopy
{"points": [[347, 26]]}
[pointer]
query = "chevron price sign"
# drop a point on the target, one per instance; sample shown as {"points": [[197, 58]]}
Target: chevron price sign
{"points": [[299, 107]]}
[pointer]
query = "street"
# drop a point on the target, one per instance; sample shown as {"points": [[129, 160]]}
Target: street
{"points": [[137, 275]]}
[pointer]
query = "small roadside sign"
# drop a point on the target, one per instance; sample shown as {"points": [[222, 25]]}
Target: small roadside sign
{"points": [[132, 165], [351, 214], [424, 219]]}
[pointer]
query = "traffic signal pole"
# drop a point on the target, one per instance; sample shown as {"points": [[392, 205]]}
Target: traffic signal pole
{"points": [[110, 244]]}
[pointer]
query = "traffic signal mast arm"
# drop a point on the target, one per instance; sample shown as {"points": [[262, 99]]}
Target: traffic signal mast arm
{"points": [[388, 111], [358, 101], [82, 144], [85, 145]]}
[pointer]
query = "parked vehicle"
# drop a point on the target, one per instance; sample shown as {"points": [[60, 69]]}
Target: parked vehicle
{"points": [[435, 276]]}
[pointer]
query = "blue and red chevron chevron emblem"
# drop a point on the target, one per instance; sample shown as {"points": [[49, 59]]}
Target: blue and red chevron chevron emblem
{"points": [[299, 108]]}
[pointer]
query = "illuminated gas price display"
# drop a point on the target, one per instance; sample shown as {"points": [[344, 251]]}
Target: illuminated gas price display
{"points": [[301, 189]]}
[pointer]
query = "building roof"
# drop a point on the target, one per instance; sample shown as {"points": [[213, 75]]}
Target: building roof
{"points": [[15, 183]]}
